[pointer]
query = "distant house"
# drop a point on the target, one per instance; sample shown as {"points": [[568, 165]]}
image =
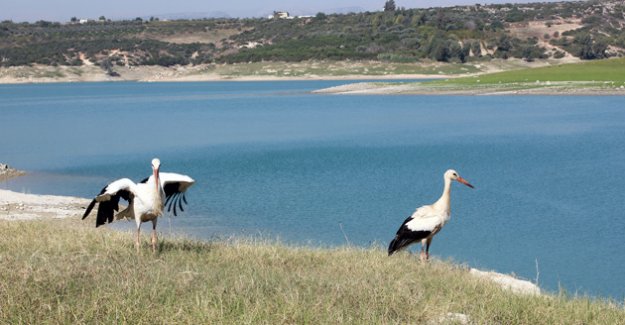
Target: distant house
{"points": [[280, 15], [250, 45]]}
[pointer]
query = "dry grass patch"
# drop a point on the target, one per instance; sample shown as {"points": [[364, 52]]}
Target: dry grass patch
{"points": [[65, 272]]}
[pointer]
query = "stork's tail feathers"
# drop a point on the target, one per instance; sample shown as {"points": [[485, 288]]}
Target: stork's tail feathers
{"points": [[396, 244]]}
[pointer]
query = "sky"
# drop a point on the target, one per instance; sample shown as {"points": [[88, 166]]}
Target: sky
{"points": [[64, 10]]}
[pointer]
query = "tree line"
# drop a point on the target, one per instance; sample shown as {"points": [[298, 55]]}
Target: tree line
{"points": [[455, 34]]}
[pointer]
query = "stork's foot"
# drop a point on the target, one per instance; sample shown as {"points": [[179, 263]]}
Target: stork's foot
{"points": [[424, 256]]}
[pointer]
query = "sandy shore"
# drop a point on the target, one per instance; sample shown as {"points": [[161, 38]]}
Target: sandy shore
{"points": [[19, 206], [545, 88], [49, 74], [264, 71]]}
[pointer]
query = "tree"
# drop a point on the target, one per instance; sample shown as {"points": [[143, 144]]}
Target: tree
{"points": [[476, 48], [399, 20], [376, 21], [590, 49], [504, 45], [514, 15], [389, 5]]}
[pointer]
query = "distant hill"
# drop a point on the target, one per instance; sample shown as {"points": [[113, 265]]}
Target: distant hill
{"points": [[557, 30], [191, 15], [346, 10]]}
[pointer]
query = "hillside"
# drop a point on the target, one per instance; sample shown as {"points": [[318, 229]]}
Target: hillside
{"points": [[561, 31]]}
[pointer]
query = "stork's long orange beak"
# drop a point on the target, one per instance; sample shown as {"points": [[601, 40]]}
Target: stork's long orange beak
{"points": [[464, 181]]}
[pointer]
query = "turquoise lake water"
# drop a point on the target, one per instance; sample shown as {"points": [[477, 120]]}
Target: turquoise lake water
{"points": [[273, 160]]}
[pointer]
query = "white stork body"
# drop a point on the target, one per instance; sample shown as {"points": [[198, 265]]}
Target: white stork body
{"points": [[146, 199], [427, 220]]}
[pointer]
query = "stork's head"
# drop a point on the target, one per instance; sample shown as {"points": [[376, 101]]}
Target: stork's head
{"points": [[156, 164], [454, 176]]}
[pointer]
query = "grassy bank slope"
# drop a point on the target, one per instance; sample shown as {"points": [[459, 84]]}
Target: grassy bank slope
{"points": [[612, 70], [64, 272], [604, 77]]}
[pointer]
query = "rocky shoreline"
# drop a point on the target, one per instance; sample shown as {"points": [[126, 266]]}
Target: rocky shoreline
{"points": [[7, 172]]}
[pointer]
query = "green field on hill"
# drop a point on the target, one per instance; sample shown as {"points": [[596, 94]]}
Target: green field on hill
{"points": [[62, 271], [611, 70]]}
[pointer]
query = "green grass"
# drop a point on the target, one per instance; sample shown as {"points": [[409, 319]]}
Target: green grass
{"points": [[612, 70], [67, 272]]}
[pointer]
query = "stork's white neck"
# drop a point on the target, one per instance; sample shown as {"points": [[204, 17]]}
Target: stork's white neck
{"points": [[158, 196], [443, 203]]}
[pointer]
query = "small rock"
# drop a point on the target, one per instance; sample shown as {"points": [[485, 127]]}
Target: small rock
{"points": [[453, 318], [508, 282]]}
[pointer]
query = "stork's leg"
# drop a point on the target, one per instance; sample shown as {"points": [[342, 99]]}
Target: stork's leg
{"points": [[424, 255], [154, 239], [427, 248], [138, 239]]}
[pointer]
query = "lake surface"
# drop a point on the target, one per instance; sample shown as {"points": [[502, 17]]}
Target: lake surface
{"points": [[273, 160]]}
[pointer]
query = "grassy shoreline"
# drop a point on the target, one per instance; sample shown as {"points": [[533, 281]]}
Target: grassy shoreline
{"points": [[603, 77], [62, 271]]}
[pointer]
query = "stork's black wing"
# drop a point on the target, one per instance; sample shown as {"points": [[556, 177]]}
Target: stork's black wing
{"points": [[175, 187], [108, 200]]}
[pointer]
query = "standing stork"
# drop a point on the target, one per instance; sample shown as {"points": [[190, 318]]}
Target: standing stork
{"points": [[146, 200], [427, 220]]}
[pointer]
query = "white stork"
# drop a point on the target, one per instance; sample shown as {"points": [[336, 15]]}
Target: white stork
{"points": [[146, 200], [427, 220]]}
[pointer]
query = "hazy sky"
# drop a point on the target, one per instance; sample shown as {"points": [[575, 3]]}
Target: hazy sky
{"points": [[63, 10]]}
